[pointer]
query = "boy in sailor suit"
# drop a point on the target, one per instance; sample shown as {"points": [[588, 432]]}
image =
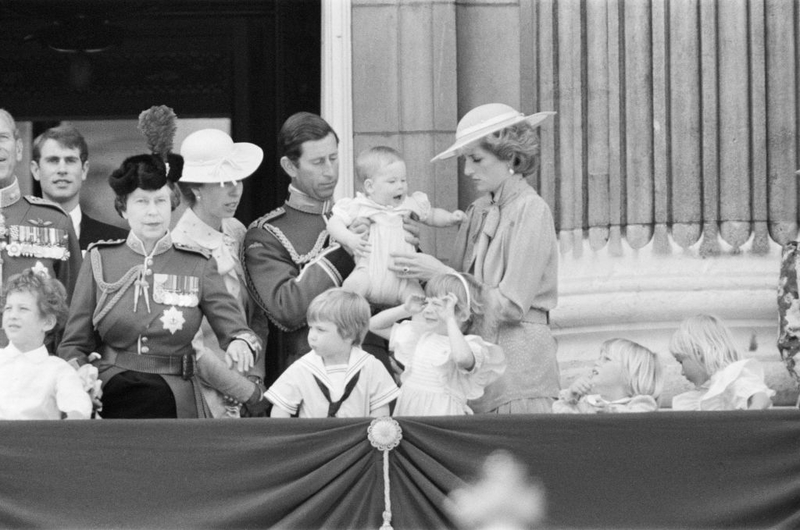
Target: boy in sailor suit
{"points": [[336, 378]]}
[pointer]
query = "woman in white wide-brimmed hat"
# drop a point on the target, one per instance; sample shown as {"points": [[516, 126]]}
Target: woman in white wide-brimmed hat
{"points": [[508, 241], [211, 183]]}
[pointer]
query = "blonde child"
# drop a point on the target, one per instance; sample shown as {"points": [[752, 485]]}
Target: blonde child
{"points": [[444, 368], [336, 378], [709, 359], [381, 172], [626, 378], [33, 384]]}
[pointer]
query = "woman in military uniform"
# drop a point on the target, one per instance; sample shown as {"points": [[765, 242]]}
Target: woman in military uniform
{"points": [[139, 302]]}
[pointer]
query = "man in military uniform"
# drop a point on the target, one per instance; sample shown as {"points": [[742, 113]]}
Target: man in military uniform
{"points": [[288, 256], [34, 232]]}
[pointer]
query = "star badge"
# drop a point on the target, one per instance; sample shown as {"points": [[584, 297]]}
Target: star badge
{"points": [[173, 319], [41, 270]]}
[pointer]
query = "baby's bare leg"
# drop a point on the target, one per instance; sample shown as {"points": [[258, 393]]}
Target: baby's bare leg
{"points": [[357, 282]]}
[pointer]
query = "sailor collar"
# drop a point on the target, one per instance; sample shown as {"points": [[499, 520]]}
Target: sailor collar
{"points": [[10, 194], [305, 203], [136, 244]]}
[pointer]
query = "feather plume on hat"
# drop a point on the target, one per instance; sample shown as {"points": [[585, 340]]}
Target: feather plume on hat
{"points": [[158, 125]]}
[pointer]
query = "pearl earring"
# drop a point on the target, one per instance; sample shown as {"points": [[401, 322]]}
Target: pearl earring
{"points": [[511, 170]]}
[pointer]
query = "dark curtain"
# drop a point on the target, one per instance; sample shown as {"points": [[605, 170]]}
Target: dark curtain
{"points": [[661, 470]]}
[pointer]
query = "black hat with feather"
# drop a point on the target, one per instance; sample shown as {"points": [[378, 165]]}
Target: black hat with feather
{"points": [[153, 171]]}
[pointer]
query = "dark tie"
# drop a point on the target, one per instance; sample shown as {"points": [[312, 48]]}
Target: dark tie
{"points": [[333, 406]]}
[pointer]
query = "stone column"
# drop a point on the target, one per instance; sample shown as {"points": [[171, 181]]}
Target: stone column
{"points": [[405, 95]]}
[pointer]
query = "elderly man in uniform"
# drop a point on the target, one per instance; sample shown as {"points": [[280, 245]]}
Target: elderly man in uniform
{"points": [[288, 256], [34, 232], [60, 162]]}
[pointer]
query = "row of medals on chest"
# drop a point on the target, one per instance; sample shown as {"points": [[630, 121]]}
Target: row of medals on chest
{"points": [[33, 241]]}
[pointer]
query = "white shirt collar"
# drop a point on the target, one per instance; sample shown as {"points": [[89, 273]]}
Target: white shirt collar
{"points": [[77, 216], [11, 351]]}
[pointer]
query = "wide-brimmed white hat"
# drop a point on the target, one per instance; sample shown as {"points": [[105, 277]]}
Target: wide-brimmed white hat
{"points": [[486, 119], [210, 156]]}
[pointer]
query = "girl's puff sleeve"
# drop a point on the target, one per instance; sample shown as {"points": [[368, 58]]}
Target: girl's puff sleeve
{"points": [[490, 364], [403, 340]]}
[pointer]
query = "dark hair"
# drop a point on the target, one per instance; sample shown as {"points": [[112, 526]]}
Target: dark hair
{"points": [[67, 136], [300, 128], [148, 172], [51, 296], [187, 191]]}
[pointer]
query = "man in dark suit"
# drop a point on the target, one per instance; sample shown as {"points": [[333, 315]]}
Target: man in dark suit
{"points": [[60, 162]]}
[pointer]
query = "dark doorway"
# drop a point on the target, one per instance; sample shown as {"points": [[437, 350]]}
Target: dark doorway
{"points": [[253, 61]]}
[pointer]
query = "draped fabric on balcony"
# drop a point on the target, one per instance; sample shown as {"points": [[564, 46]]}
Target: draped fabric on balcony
{"points": [[664, 470], [675, 117]]}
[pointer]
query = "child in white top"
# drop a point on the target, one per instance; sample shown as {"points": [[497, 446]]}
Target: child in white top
{"points": [[381, 172], [336, 378], [33, 384], [444, 368], [712, 362], [626, 378]]}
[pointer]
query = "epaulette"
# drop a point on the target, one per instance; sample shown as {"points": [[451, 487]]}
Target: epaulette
{"points": [[104, 243], [189, 248], [38, 201], [264, 219]]}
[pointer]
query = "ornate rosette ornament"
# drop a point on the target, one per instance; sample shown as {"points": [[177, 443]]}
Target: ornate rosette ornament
{"points": [[385, 434]]}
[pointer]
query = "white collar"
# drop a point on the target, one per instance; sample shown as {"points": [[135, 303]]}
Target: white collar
{"points": [[200, 232], [76, 214], [10, 352], [355, 363]]}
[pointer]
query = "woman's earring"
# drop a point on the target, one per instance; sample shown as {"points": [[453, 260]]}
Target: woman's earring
{"points": [[511, 170]]}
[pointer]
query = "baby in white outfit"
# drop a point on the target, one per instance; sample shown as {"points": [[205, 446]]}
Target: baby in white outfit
{"points": [[382, 174]]}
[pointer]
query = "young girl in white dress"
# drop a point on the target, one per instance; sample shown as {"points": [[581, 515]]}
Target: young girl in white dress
{"points": [[626, 378], [444, 367], [385, 201], [711, 361]]}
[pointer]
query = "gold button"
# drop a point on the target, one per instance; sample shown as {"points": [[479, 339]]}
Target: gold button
{"points": [[145, 349], [149, 272], [144, 339]]}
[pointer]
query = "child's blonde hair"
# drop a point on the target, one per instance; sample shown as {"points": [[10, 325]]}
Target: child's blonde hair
{"points": [[707, 340], [469, 303], [641, 366], [369, 161], [349, 312]]}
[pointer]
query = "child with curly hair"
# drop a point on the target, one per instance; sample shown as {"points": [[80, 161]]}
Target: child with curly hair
{"points": [[33, 384]]}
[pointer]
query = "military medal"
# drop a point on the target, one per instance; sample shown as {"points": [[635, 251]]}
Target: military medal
{"points": [[36, 241], [41, 270], [173, 319], [176, 290]]}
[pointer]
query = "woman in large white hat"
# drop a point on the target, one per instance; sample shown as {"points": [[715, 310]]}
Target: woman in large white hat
{"points": [[508, 241], [211, 183]]}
